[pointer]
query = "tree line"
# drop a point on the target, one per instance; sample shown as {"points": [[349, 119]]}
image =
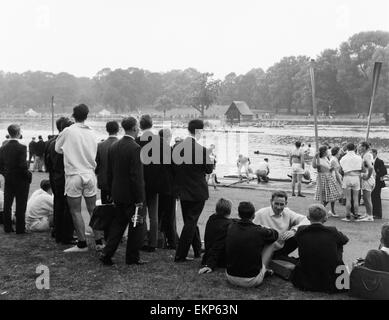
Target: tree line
{"points": [[343, 85]]}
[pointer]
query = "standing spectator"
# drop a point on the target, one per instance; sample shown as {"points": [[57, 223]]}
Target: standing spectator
{"points": [[245, 243], [296, 161], [320, 252], [335, 167], [167, 197], [367, 181], [125, 176], [31, 151], [351, 165], [152, 178], [380, 170], [379, 259], [112, 128], [192, 164], [14, 168], [63, 228], [78, 145], [5, 141], [39, 153], [243, 162]]}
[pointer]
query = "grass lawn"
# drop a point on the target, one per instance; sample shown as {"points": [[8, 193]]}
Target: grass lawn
{"points": [[81, 276]]}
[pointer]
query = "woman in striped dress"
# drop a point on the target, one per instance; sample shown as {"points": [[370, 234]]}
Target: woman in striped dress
{"points": [[330, 189]]}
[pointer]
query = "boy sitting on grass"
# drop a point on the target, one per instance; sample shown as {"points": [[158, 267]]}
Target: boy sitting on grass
{"points": [[244, 245], [320, 251], [215, 237]]}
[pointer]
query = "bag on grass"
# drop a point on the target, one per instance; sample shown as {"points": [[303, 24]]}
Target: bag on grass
{"points": [[369, 284], [102, 217]]}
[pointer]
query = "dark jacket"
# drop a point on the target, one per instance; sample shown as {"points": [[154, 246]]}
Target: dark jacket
{"points": [[244, 245], [192, 163], [31, 147], [13, 161], [40, 148], [150, 144], [215, 241], [320, 251], [377, 260], [380, 170], [166, 170], [102, 162], [125, 172], [54, 162]]}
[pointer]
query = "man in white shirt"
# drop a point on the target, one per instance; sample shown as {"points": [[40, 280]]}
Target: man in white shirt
{"points": [[263, 170], [285, 222], [39, 215], [78, 145]]}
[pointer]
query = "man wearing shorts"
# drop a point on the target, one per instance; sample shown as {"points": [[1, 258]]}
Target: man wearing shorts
{"points": [[351, 165], [296, 161], [367, 181], [79, 146]]}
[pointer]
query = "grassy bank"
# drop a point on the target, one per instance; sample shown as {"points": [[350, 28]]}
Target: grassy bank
{"points": [[81, 276]]}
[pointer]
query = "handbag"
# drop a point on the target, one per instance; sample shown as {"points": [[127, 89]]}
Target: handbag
{"points": [[369, 284], [102, 217]]}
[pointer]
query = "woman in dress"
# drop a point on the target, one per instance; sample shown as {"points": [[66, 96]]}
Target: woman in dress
{"points": [[335, 166], [330, 189]]}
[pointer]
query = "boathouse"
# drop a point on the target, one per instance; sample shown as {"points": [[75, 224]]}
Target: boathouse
{"points": [[238, 112]]}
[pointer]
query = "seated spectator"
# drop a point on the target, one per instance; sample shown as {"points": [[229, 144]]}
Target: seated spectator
{"points": [[244, 245], [379, 259], [40, 209], [320, 253], [286, 222], [263, 170], [215, 237]]}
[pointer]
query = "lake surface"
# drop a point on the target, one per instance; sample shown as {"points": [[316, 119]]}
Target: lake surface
{"points": [[230, 144]]}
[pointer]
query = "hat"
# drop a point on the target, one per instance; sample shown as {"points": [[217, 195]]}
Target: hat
{"points": [[80, 111]]}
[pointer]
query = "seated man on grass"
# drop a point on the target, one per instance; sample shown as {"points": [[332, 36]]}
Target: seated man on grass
{"points": [[40, 209], [285, 222], [244, 245], [215, 237], [320, 253], [379, 259]]}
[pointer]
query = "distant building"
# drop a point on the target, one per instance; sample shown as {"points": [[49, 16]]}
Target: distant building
{"points": [[104, 113], [238, 112], [32, 113]]}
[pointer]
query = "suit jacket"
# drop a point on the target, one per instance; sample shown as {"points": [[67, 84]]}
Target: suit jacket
{"points": [[40, 148], [320, 251], [380, 171], [125, 172], [54, 162], [150, 145], [166, 170], [102, 162], [192, 163], [13, 161]]}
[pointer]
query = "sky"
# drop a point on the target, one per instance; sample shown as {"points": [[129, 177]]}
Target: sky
{"points": [[82, 37]]}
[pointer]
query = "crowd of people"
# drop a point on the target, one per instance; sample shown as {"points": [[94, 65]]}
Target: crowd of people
{"points": [[144, 178]]}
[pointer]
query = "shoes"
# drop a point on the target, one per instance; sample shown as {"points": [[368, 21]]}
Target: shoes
{"points": [[69, 242], [269, 273], [100, 247], [186, 259], [139, 262], [347, 219], [366, 218], [332, 215], [301, 195], [76, 249], [147, 249], [106, 261], [378, 218], [293, 194]]}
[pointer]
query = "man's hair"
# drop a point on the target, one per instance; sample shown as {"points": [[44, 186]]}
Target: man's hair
{"points": [[246, 210], [63, 123], [335, 150], [145, 122], [365, 144], [350, 146], [223, 207], [374, 151], [129, 123], [385, 235], [297, 144], [279, 194], [13, 130], [40, 138], [317, 212], [164, 132], [266, 159], [309, 145], [323, 151], [80, 112], [195, 124], [112, 127], [45, 185], [33, 138]]}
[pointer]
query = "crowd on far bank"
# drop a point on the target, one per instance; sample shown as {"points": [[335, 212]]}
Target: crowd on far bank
{"points": [[142, 178]]}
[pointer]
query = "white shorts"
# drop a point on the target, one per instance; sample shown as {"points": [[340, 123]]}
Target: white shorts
{"points": [[247, 282], [351, 182], [368, 185], [40, 225], [297, 168], [81, 185]]}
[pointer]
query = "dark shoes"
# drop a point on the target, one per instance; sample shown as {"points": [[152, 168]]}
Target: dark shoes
{"points": [[139, 262], [148, 249], [301, 195], [106, 261]]}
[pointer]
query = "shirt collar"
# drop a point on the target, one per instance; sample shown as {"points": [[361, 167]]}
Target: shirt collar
{"points": [[272, 214], [127, 135], [385, 249]]}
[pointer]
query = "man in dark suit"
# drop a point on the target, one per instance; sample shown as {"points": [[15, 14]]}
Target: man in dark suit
{"points": [[39, 153], [101, 170], [125, 178], [63, 223], [149, 143], [14, 168], [31, 150], [192, 163], [320, 251], [380, 170]]}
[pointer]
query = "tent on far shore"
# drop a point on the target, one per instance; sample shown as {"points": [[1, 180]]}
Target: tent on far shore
{"points": [[104, 113], [32, 113]]}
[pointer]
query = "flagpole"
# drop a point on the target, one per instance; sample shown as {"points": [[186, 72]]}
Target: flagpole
{"points": [[52, 115], [376, 77], [312, 74]]}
